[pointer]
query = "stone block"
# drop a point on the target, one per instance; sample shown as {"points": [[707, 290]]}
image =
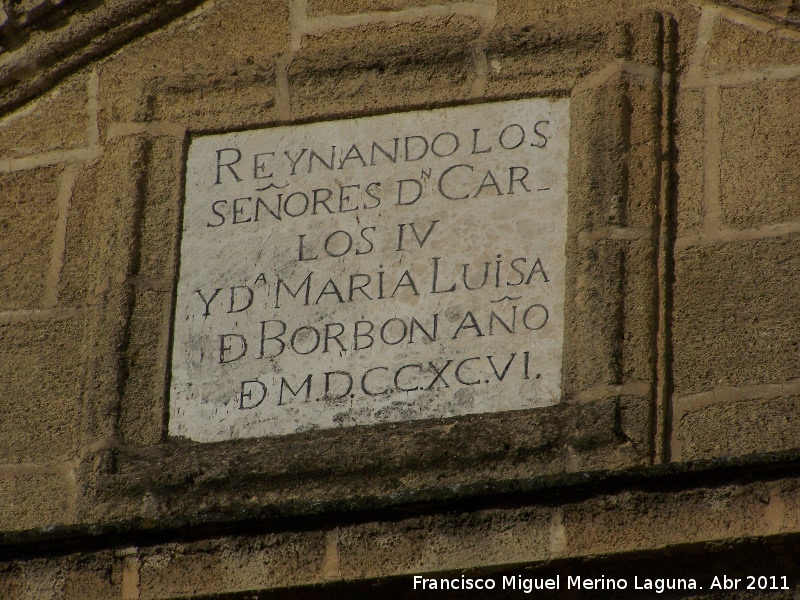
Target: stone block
{"points": [[114, 190], [646, 31], [219, 102], [74, 577], [610, 314], [592, 438], [597, 145], [39, 390], [644, 112], [161, 212], [144, 392], [593, 334], [122, 98], [638, 521], [113, 252], [445, 542], [543, 59], [93, 503], [763, 7], [441, 458], [231, 565], [644, 183], [757, 45], [615, 148], [592, 320], [28, 214], [760, 149], [387, 66], [690, 145], [631, 33], [33, 500], [57, 121], [212, 69], [635, 424], [317, 95], [97, 576], [524, 12], [37, 579], [423, 40], [639, 311], [736, 313], [784, 500], [738, 428], [681, 31], [612, 433]]}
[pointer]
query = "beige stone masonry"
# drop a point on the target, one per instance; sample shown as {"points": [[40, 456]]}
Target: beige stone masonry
{"points": [[752, 401], [729, 89], [73, 159], [710, 82], [303, 24], [631, 521], [37, 495], [684, 320]]}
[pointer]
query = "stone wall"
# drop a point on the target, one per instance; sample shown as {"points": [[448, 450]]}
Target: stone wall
{"points": [[679, 423]]}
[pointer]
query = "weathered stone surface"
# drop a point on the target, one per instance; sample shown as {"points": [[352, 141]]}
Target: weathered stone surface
{"points": [[739, 428], [593, 335], [161, 211], [74, 577], [65, 111], [759, 44], [314, 260], [594, 435], [760, 154], [690, 144], [597, 180], [213, 69], [317, 94], [84, 333], [639, 312], [635, 422], [27, 221], [238, 564], [114, 190], [440, 543], [735, 314], [69, 37], [640, 520], [40, 403], [142, 406], [531, 57], [395, 65], [557, 11], [32, 500], [643, 172]]}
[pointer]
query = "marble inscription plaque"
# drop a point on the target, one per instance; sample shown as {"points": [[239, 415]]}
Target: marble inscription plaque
{"points": [[371, 270]]}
